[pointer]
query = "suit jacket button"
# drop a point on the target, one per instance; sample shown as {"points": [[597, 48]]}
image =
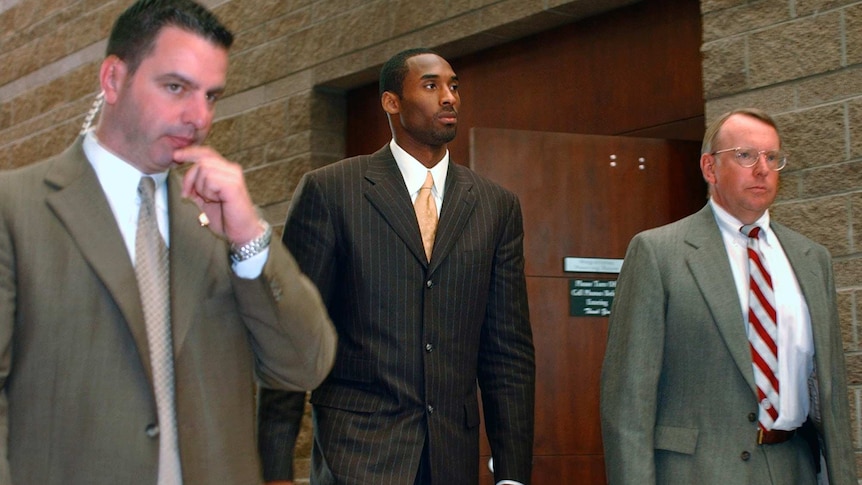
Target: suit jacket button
{"points": [[752, 417], [274, 287], [745, 456], [430, 409], [152, 430], [429, 347], [429, 283]]}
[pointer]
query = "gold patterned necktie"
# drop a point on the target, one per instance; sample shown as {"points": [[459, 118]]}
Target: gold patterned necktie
{"points": [[152, 271], [426, 214], [762, 330]]}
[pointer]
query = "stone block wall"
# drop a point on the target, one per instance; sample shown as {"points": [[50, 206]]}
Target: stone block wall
{"points": [[801, 60]]}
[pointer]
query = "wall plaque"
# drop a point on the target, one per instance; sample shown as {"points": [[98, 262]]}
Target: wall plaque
{"points": [[591, 297], [592, 265]]}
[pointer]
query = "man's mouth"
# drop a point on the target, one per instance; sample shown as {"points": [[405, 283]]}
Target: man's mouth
{"points": [[179, 141], [448, 117]]}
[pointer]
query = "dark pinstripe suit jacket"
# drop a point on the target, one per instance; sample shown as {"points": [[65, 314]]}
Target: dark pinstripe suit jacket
{"points": [[416, 338]]}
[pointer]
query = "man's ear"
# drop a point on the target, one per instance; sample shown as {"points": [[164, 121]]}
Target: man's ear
{"points": [[112, 76], [390, 102], [707, 167]]}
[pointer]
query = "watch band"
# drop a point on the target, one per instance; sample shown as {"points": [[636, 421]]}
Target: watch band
{"points": [[253, 247]]}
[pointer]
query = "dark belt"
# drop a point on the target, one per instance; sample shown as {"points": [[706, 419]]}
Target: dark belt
{"points": [[773, 437]]}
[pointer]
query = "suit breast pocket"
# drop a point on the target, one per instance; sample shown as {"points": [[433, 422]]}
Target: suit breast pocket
{"points": [[679, 440], [474, 258]]}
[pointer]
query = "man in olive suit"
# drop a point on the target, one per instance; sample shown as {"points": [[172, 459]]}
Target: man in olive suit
{"points": [[137, 303]]}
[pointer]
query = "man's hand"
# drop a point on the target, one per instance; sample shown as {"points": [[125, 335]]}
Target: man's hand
{"points": [[218, 188]]}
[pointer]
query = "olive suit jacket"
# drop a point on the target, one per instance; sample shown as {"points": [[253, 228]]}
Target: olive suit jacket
{"points": [[416, 337], [77, 404], [678, 402]]}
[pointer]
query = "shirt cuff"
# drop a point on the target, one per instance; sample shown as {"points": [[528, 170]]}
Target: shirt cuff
{"points": [[252, 267], [509, 482]]}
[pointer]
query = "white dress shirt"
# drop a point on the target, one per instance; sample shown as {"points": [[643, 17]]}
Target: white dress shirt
{"points": [[119, 181], [414, 174], [795, 341]]}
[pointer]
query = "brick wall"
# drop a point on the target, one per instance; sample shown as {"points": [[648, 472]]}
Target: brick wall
{"points": [[800, 61]]}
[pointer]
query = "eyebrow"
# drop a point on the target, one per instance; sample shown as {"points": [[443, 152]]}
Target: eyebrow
{"points": [[173, 76], [436, 76]]}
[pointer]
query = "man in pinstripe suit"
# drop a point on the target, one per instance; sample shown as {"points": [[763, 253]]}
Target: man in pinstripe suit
{"points": [[417, 334]]}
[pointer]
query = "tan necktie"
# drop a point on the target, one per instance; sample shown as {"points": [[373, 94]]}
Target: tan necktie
{"points": [[426, 214], [152, 271]]}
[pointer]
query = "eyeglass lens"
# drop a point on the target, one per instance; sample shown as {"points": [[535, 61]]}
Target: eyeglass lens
{"points": [[747, 157]]}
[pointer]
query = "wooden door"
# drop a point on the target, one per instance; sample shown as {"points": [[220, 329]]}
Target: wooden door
{"points": [[582, 196]]}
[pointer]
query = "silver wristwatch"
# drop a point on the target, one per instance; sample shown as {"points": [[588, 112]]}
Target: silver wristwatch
{"points": [[253, 247]]}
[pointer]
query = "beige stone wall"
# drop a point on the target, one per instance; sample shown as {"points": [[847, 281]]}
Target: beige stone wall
{"points": [[801, 60]]}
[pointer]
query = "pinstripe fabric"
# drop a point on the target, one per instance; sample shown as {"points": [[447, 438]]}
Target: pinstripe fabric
{"points": [[416, 337]]}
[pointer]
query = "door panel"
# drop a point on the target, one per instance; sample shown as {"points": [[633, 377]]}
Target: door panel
{"points": [[574, 202], [581, 196]]}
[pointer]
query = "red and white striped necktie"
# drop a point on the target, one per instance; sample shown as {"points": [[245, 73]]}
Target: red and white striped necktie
{"points": [[762, 330]]}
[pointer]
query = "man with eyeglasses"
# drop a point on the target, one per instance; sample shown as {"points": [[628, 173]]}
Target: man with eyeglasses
{"points": [[703, 383]]}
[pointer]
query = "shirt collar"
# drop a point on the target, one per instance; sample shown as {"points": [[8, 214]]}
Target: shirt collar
{"points": [[414, 172], [730, 224], [117, 176]]}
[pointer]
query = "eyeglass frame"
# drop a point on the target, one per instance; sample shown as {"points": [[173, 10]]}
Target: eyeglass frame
{"points": [[757, 159]]}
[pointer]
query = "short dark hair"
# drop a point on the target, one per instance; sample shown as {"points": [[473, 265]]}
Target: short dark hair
{"points": [[135, 30], [392, 73]]}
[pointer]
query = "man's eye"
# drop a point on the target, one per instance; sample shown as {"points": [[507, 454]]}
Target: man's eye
{"points": [[174, 88], [744, 155]]}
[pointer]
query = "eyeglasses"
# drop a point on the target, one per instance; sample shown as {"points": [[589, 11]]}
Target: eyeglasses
{"points": [[748, 157]]}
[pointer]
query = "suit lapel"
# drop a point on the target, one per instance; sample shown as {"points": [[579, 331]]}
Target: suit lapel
{"points": [[192, 249], [388, 194], [96, 233], [711, 270], [458, 203]]}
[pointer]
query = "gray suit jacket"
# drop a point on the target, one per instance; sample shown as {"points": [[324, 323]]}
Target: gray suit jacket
{"points": [[77, 404], [678, 395], [416, 338]]}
